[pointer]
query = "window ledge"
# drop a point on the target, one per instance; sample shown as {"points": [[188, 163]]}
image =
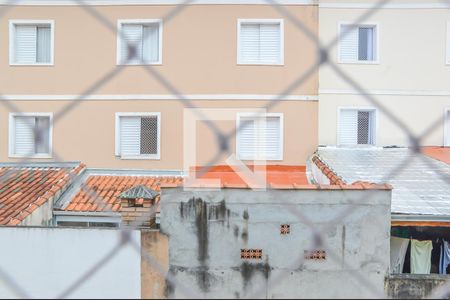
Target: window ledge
{"points": [[41, 156], [140, 64], [139, 157], [261, 64], [31, 65], [360, 62]]}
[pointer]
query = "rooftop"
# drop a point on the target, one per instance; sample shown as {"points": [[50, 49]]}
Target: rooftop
{"points": [[420, 183], [439, 153], [24, 188], [100, 193]]}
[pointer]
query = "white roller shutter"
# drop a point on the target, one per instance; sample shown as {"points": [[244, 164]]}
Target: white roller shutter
{"points": [[348, 43], [260, 43], [270, 136], [270, 43], [249, 43], [348, 127], [130, 136], [259, 138], [25, 44], [131, 35], [247, 138], [24, 144]]}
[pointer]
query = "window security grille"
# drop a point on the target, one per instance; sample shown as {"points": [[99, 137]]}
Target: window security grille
{"points": [[138, 137], [356, 127], [149, 135]]}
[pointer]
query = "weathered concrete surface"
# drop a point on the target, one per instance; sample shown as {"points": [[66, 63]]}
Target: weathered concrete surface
{"points": [[154, 245], [413, 286], [208, 229]]}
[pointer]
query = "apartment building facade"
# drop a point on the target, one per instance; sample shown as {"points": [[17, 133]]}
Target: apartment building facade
{"points": [[399, 57], [67, 71]]}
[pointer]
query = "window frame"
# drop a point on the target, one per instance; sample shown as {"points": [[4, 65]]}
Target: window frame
{"points": [[376, 49], [358, 108], [12, 137], [446, 126], [122, 22], [239, 60], [117, 135], [447, 44], [12, 35], [280, 156]]}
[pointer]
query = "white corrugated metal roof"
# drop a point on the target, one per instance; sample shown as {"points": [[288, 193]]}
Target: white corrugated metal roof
{"points": [[421, 184]]}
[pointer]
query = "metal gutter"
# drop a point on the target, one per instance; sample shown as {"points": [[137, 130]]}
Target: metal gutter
{"points": [[420, 218]]}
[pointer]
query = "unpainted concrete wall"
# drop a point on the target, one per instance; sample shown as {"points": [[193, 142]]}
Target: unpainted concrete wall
{"points": [[154, 263], [413, 286], [208, 229]]}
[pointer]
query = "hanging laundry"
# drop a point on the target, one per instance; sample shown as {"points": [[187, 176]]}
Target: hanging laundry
{"points": [[444, 259], [398, 252], [421, 256]]}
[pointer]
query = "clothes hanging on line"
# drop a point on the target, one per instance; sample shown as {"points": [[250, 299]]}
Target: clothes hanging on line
{"points": [[399, 246], [421, 256], [444, 259]]}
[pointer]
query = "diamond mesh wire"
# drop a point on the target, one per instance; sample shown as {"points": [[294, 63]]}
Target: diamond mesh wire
{"points": [[149, 137]]}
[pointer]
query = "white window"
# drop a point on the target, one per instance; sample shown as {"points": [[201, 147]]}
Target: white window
{"points": [[356, 127], [31, 42], [30, 135], [448, 44], [138, 135], [447, 128], [139, 42], [260, 42], [259, 137], [358, 44]]}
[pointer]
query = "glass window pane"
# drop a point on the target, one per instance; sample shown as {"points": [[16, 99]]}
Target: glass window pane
{"points": [[43, 44], [42, 135], [365, 44]]}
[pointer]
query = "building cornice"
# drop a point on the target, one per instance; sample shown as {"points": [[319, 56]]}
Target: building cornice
{"points": [[365, 5], [151, 2]]}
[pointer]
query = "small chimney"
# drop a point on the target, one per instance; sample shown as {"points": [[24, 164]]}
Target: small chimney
{"points": [[136, 204]]}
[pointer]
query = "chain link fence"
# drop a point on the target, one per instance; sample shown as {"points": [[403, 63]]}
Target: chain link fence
{"points": [[223, 138]]}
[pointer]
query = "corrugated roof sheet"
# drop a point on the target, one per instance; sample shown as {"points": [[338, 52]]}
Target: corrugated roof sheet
{"points": [[421, 184]]}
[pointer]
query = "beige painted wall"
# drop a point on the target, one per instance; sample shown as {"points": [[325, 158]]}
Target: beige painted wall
{"points": [[199, 52], [411, 74], [418, 113], [156, 246], [87, 132]]}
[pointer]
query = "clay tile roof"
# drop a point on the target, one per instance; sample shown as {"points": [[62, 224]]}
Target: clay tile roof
{"points": [[24, 189], [438, 153], [330, 174], [101, 193]]}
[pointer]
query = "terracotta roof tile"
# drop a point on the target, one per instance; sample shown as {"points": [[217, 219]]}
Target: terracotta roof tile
{"points": [[25, 189], [100, 192], [439, 153]]}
